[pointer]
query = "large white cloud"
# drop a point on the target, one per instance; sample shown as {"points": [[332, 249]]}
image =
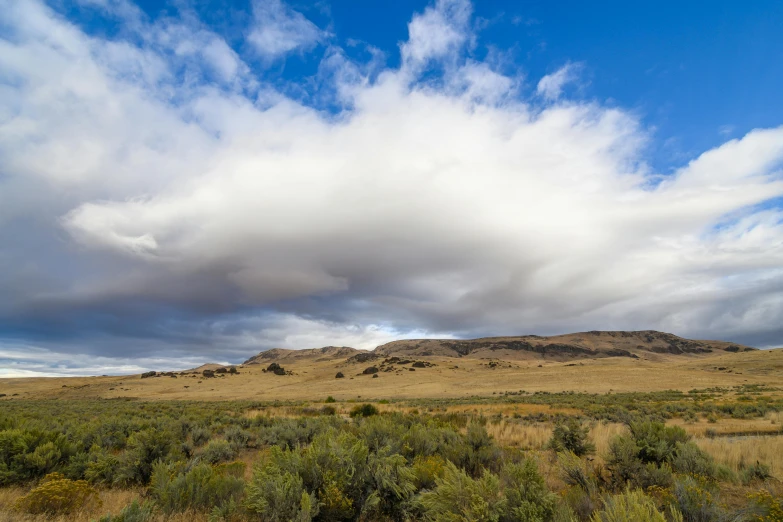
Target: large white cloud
{"points": [[157, 184]]}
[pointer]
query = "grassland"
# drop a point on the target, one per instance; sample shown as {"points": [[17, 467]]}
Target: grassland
{"points": [[235, 438]]}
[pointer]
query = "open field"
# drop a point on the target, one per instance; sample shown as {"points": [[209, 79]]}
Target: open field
{"points": [[229, 438], [450, 377]]}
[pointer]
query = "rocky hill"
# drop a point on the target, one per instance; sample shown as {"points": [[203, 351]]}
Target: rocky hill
{"points": [[584, 345], [283, 354], [577, 345]]}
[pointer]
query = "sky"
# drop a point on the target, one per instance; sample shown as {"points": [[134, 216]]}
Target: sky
{"points": [[194, 181]]}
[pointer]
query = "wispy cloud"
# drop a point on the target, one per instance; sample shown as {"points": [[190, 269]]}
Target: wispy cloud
{"points": [[280, 30], [551, 85]]}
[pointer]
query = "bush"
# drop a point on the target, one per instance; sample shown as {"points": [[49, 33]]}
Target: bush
{"points": [[218, 451], [574, 472], [330, 399], [657, 442], [200, 436], [572, 436], [144, 449], [631, 506], [763, 507], [198, 489], [279, 496], [133, 512], [427, 470], [689, 459], [695, 501], [459, 497], [755, 472], [365, 410], [527, 496], [57, 495]]}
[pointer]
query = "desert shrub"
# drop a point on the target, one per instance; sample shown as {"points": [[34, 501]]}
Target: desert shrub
{"points": [[200, 436], [133, 512], [144, 449], [392, 485], [623, 459], [364, 410], [57, 495], [239, 438], [630, 506], [763, 507], [426, 470], [571, 436], [217, 451], [755, 472], [383, 432], [690, 459], [328, 410], [330, 399], [198, 489], [101, 467], [279, 496], [574, 472], [457, 496], [527, 496], [657, 442], [476, 452], [695, 500], [651, 475]]}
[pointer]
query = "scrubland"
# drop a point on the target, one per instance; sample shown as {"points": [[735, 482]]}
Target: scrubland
{"points": [[701, 454]]}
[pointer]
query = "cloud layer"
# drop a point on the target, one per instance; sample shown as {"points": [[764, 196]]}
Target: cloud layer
{"points": [[160, 196]]}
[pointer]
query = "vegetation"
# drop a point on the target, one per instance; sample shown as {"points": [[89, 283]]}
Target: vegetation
{"points": [[348, 461]]}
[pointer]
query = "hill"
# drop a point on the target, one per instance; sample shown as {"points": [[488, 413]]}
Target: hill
{"points": [[583, 345]]}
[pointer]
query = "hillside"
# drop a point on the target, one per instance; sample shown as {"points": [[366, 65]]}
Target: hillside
{"points": [[583, 345]]}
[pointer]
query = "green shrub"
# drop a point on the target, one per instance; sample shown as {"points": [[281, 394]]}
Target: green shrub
{"points": [[623, 460], [458, 497], [392, 485], [200, 436], [631, 506], [527, 496], [144, 449], [571, 436], [657, 442], [364, 410], [574, 472], [57, 495], [198, 489], [133, 512], [217, 451], [755, 472], [330, 399], [426, 470], [693, 498], [476, 452], [279, 496], [239, 438], [688, 458]]}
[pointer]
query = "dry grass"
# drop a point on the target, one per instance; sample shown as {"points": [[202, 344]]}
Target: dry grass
{"points": [[737, 452], [113, 500], [314, 379]]}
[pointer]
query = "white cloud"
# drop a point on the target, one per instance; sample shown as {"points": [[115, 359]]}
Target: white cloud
{"points": [[551, 85], [143, 203], [280, 30], [438, 32]]}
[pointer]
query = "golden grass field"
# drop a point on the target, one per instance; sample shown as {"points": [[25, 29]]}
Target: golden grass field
{"points": [[451, 377]]}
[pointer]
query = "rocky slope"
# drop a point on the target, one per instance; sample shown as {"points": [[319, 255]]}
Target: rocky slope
{"points": [[594, 344]]}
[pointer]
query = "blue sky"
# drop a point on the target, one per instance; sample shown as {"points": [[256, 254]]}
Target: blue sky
{"points": [[695, 72], [197, 181]]}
